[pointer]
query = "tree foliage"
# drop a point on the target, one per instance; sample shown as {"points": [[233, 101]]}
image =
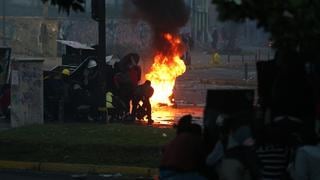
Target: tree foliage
{"points": [[294, 24], [67, 5]]}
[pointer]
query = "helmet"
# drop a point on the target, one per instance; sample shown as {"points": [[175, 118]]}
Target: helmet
{"points": [[66, 72], [92, 63]]}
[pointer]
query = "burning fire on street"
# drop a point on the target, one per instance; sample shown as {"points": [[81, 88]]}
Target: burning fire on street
{"points": [[167, 66]]}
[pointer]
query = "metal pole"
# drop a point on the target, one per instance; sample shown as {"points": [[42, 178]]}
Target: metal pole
{"points": [[102, 53], [102, 41], [4, 42]]}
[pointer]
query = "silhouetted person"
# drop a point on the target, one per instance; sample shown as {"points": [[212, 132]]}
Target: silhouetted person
{"points": [[91, 83], [183, 157], [126, 81], [306, 164], [273, 151], [143, 93], [233, 157]]}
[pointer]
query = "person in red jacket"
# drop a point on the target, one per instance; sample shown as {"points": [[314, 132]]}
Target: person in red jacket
{"points": [[127, 80]]}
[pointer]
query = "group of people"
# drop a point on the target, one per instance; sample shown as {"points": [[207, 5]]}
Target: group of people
{"points": [[66, 95], [281, 151], [126, 86]]}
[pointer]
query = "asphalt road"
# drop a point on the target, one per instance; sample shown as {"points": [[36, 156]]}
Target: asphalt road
{"points": [[29, 175]]}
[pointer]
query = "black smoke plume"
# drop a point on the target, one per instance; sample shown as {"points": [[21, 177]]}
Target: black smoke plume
{"points": [[163, 16]]}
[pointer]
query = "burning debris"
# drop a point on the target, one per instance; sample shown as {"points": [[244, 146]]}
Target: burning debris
{"points": [[165, 18], [164, 71]]}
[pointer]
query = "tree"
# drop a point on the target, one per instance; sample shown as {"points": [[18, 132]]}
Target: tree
{"points": [[293, 24], [295, 31], [67, 5]]}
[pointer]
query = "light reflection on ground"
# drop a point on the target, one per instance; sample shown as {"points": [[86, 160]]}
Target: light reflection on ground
{"points": [[166, 117]]}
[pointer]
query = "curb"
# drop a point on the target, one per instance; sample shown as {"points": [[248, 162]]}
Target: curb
{"points": [[77, 168]]}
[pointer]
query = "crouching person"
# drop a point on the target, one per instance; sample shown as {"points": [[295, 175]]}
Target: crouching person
{"points": [[143, 93], [184, 157]]}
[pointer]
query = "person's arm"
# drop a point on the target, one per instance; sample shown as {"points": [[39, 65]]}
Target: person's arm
{"points": [[216, 155], [300, 167]]}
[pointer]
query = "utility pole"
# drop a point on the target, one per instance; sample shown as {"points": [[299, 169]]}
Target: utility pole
{"points": [[98, 13], [4, 42], [102, 35]]}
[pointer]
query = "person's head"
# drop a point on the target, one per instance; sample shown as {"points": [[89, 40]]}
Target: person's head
{"points": [[147, 83], [91, 64], [183, 123], [66, 72], [134, 58], [131, 59], [242, 134]]}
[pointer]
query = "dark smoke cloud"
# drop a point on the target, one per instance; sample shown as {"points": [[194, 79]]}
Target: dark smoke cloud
{"points": [[163, 16]]}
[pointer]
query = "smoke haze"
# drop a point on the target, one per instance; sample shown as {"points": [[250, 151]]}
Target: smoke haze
{"points": [[163, 16]]}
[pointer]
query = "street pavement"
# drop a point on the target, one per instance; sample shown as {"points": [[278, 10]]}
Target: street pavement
{"points": [[32, 175], [191, 87]]}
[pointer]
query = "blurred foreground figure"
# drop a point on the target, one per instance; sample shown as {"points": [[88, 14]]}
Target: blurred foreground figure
{"points": [[233, 157], [306, 163], [184, 157]]}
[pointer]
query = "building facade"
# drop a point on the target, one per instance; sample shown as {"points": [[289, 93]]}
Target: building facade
{"points": [[199, 20]]}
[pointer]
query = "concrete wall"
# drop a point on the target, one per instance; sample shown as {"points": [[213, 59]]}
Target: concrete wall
{"points": [[122, 35], [31, 36], [26, 92], [36, 37]]}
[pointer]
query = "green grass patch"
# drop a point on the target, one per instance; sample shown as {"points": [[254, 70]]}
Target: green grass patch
{"points": [[110, 144]]}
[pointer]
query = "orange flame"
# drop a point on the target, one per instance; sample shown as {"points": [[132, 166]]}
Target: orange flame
{"points": [[166, 68]]}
